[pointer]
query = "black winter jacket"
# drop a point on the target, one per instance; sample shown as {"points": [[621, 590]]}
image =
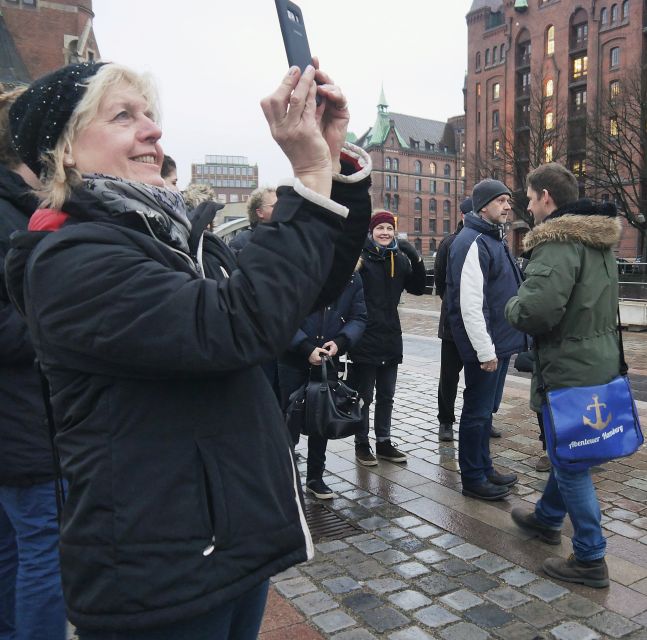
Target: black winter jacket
{"points": [[25, 449], [440, 281], [182, 488], [381, 343]]}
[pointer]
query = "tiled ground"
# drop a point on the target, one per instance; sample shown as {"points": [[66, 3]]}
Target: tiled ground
{"points": [[430, 563]]}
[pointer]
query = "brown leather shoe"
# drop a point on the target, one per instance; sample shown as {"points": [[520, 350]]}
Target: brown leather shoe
{"points": [[592, 574], [525, 518], [543, 464]]}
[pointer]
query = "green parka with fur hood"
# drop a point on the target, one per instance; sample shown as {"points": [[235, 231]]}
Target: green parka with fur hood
{"points": [[569, 299]]}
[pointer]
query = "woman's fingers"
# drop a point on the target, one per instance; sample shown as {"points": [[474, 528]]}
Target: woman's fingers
{"points": [[276, 104], [301, 96]]}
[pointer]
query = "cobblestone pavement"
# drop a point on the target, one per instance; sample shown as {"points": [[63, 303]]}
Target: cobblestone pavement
{"points": [[426, 562]]}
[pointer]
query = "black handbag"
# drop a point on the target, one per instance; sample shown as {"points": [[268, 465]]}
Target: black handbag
{"points": [[327, 408]]}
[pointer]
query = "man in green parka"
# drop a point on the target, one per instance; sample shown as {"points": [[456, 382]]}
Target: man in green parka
{"points": [[569, 302]]}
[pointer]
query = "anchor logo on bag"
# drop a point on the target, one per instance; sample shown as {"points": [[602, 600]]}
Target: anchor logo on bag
{"points": [[599, 423]]}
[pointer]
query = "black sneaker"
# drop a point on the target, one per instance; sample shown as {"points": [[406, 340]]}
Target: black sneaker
{"points": [[364, 455], [486, 491], [503, 479], [525, 518], [445, 432], [387, 451], [592, 574], [319, 489]]}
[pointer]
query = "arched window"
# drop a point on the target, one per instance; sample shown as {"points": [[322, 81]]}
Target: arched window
{"points": [[625, 10], [396, 164], [614, 13], [396, 203], [614, 57], [432, 168], [550, 120], [432, 206], [387, 163], [387, 201], [446, 206], [494, 53], [478, 60], [448, 171], [417, 166], [495, 120], [549, 88], [502, 52], [550, 40], [487, 57], [417, 205], [604, 16], [432, 244]]}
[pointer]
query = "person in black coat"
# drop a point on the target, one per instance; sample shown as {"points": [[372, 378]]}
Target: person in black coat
{"points": [[183, 496], [389, 266], [31, 598], [328, 332]]}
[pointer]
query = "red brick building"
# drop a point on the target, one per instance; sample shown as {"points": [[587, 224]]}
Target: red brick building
{"points": [[418, 173], [38, 36], [536, 72]]}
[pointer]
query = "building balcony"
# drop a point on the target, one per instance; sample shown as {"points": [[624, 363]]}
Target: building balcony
{"points": [[579, 45], [523, 61], [577, 80]]}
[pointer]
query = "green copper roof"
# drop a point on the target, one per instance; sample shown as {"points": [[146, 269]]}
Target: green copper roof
{"points": [[382, 126]]}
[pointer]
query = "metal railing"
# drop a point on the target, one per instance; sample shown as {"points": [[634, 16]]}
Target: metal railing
{"points": [[632, 280]]}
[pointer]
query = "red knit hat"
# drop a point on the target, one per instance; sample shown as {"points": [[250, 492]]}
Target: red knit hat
{"points": [[381, 217]]}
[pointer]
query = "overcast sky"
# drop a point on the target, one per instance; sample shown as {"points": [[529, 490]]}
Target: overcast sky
{"points": [[214, 60]]}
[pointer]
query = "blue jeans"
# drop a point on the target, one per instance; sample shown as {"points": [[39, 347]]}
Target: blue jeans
{"points": [[573, 493], [481, 398], [365, 378], [31, 598], [239, 619]]}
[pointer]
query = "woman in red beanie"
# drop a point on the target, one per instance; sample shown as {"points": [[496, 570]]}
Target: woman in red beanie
{"points": [[389, 266]]}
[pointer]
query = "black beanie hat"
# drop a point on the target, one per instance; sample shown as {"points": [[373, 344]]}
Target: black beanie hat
{"points": [[485, 191], [38, 117], [466, 206]]}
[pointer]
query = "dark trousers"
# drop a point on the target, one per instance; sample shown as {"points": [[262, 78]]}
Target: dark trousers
{"points": [[481, 398], [451, 365], [364, 378], [542, 437], [238, 619], [290, 379]]}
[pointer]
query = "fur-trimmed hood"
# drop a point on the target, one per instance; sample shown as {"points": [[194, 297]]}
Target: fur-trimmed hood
{"points": [[582, 222]]}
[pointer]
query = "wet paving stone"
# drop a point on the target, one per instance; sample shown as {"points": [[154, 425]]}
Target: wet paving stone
{"points": [[425, 531], [538, 614], [384, 619], [506, 597], [467, 551], [489, 616], [333, 621], [447, 541], [612, 624], [455, 567], [407, 522], [412, 633], [354, 634], [574, 605], [361, 601], [386, 585], [391, 556], [320, 570], [344, 584], [345, 557], [431, 556], [491, 563], [409, 600], [519, 631], [330, 547], [372, 523], [295, 587], [367, 569], [477, 582], [464, 631], [391, 533], [573, 631], [461, 600], [518, 577], [411, 569], [409, 545], [435, 616], [372, 502], [371, 546], [546, 590], [317, 602], [437, 584]]}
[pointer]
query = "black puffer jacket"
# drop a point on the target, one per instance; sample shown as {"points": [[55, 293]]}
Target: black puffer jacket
{"points": [[182, 489], [381, 343], [25, 450], [440, 280]]}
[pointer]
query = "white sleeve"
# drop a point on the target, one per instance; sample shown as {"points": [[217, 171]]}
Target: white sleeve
{"points": [[471, 301]]}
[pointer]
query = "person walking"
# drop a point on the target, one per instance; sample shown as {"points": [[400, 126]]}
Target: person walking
{"points": [[481, 277], [569, 302], [31, 597], [389, 267], [328, 332]]}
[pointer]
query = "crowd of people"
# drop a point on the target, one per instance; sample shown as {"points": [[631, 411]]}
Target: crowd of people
{"points": [[131, 466]]}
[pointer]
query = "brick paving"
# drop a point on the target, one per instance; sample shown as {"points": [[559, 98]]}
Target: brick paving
{"points": [[427, 562]]}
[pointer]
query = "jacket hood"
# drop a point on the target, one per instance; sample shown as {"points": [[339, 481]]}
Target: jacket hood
{"points": [[474, 221], [15, 190], [583, 221]]}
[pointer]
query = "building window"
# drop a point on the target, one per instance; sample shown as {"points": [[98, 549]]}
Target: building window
{"points": [[387, 201], [494, 54], [548, 153], [387, 182], [432, 225], [487, 57], [580, 67], [614, 13], [496, 91], [396, 203], [614, 88], [432, 186], [578, 167], [614, 57], [581, 33], [447, 188], [495, 120], [432, 168], [496, 148], [432, 244], [550, 40], [579, 99], [417, 167], [417, 205], [604, 16], [613, 127], [394, 181], [387, 163], [625, 10], [549, 120], [549, 88], [417, 225], [478, 61], [418, 185], [29, 3], [432, 208], [446, 206], [478, 89], [502, 52], [417, 243], [447, 171], [445, 227], [396, 164]]}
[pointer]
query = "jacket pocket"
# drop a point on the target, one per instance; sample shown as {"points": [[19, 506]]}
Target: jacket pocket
{"points": [[214, 511]]}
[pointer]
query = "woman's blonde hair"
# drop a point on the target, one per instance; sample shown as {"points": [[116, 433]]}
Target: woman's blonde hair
{"points": [[58, 179]]}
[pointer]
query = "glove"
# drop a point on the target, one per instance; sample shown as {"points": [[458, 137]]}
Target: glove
{"points": [[409, 250]]}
